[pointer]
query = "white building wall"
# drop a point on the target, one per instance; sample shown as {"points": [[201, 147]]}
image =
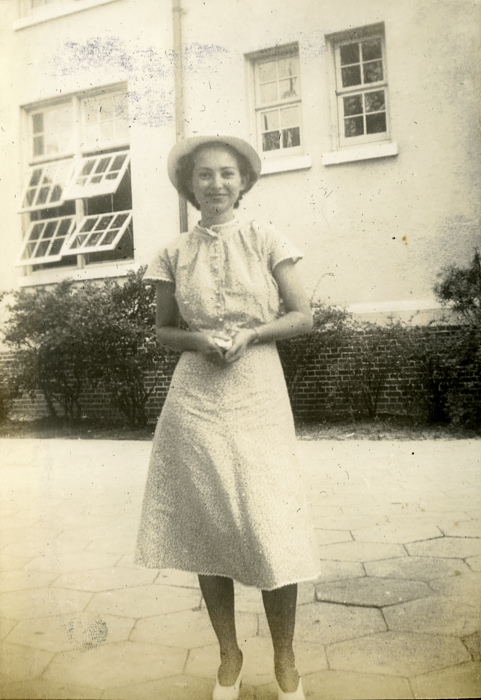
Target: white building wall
{"points": [[376, 232]]}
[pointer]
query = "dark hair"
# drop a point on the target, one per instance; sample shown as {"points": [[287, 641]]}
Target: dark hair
{"points": [[186, 165]]}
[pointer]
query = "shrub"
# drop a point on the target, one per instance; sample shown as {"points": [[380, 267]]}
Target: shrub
{"points": [[72, 337]]}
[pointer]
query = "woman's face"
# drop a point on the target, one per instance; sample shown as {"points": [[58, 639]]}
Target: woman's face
{"points": [[216, 182]]}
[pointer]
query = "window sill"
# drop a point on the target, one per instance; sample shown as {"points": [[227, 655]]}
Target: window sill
{"points": [[44, 14], [92, 272], [282, 165], [366, 152]]}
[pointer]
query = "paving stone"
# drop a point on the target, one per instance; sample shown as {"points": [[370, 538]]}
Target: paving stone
{"points": [[22, 663], [188, 629], [41, 690], [360, 551], [416, 568], [400, 534], [259, 660], [113, 546], [13, 562], [81, 631], [97, 580], [332, 536], [145, 601], [339, 685], [450, 547], [41, 602], [465, 528], [435, 615], [465, 588], [70, 561], [462, 681], [336, 570], [397, 654], [474, 563], [43, 548], [6, 626], [248, 599], [369, 591], [116, 665], [21, 580], [347, 521], [172, 577], [176, 688], [473, 645], [30, 535], [325, 623]]}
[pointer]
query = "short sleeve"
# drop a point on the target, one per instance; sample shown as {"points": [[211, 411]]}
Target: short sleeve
{"points": [[280, 248], [160, 269]]}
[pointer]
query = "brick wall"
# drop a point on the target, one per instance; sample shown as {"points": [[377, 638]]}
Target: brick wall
{"points": [[333, 380]]}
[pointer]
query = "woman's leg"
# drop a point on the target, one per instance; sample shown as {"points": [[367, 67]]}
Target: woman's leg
{"points": [[218, 593], [280, 607]]}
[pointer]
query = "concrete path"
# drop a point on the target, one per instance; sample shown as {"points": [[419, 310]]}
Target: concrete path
{"points": [[395, 614]]}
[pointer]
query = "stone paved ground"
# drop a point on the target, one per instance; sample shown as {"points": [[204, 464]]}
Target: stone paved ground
{"points": [[395, 614]]}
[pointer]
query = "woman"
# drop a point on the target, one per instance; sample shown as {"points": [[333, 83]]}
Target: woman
{"points": [[223, 495]]}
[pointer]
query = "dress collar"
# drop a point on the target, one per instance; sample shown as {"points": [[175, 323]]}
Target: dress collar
{"points": [[218, 229]]}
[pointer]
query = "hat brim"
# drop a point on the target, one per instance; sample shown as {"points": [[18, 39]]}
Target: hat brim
{"points": [[186, 146]]}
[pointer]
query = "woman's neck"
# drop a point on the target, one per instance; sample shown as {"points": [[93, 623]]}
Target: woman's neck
{"points": [[208, 219]]}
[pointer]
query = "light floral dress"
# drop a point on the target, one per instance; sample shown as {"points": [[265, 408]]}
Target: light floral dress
{"points": [[224, 493]]}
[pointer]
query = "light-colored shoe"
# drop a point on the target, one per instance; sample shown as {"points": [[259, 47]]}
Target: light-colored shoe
{"points": [[296, 695], [228, 692]]}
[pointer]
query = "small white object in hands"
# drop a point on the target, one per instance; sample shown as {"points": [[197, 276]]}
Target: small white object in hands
{"points": [[223, 344]]}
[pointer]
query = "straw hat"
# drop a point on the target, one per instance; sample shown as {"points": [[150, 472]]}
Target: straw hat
{"points": [[186, 146]]}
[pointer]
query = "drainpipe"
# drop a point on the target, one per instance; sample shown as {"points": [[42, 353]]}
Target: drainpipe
{"points": [[177, 12]]}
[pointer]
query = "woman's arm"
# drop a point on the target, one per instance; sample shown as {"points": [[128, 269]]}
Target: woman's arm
{"points": [[167, 328], [296, 321]]}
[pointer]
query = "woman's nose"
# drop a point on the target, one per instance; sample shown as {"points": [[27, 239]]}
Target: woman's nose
{"points": [[217, 180]]}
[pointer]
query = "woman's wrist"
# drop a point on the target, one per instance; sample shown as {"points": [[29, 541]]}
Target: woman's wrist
{"points": [[255, 336]]}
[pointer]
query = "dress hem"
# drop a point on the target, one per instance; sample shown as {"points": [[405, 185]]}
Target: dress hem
{"points": [[237, 580]]}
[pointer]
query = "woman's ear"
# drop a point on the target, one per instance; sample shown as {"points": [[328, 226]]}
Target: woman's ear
{"points": [[244, 182]]}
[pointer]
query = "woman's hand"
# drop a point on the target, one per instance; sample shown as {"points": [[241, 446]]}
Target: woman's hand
{"points": [[206, 345], [239, 344]]}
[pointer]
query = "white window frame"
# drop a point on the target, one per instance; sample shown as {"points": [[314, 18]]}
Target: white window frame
{"points": [[52, 174], [29, 16], [70, 247], [29, 241], [82, 185], [365, 146], [281, 159], [56, 172]]}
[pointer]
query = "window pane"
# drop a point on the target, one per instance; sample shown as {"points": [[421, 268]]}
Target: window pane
{"points": [[290, 116], [375, 101], [102, 165], [351, 76], [287, 67], [268, 92], [271, 141], [352, 105], [373, 72], [376, 123], [270, 120], [37, 123], [288, 88], [349, 54], [267, 71], [36, 231], [291, 137], [43, 195], [353, 126], [35, 179], [371, 49], [38, 148]]}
